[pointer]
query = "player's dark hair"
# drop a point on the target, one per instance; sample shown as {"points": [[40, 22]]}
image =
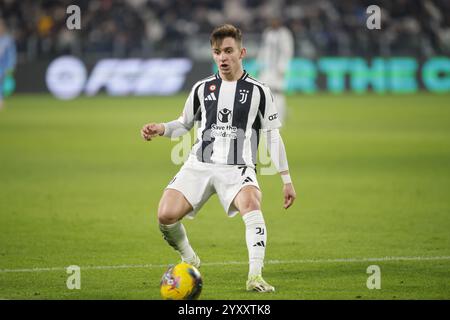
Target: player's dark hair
{"points": [[224, 31]]}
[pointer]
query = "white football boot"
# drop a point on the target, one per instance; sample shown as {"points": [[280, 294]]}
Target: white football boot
{"points": [[257, 283], [195, 261]]}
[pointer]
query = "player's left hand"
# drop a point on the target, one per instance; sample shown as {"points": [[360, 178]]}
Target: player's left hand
{"points": [[289, 195]]}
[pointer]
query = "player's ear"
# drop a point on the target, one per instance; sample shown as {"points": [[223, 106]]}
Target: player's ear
{"points": [[243, 53]]}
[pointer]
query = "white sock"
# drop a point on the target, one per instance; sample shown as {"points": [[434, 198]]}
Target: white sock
{"points": [[175, 235], [256, 238]]}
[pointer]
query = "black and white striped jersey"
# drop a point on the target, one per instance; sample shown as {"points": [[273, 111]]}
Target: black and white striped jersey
{"points": [[230, 115]]}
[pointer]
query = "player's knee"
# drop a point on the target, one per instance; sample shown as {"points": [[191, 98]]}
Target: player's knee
{"points": [[250, 204], [167, 216], [167, 219]]}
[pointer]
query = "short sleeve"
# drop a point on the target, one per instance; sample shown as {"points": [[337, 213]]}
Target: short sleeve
{"points": [[268, 110]]}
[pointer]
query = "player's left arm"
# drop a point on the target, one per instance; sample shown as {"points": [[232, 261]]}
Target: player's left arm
{"points": [[270, 124], [278, 155]]}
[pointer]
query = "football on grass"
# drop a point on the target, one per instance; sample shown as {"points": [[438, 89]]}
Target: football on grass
{"points": [[181, 282]]}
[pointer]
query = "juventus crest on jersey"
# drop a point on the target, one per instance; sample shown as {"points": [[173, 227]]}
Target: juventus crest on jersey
{"points": [[230, 115]]}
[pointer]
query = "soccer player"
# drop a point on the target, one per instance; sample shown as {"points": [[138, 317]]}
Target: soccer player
{"points": [[7, 57], [274, 56], [232, 109]]}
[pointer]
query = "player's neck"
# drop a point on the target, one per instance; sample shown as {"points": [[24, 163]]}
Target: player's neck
{"points": [[232, 76]]}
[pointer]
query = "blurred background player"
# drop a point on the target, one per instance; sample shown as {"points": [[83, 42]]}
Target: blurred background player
{"points": [[275, 54], [7, 58]]}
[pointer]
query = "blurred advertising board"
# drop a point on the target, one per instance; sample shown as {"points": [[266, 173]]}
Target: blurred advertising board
{"points": [[361, 75], [68, 77]]}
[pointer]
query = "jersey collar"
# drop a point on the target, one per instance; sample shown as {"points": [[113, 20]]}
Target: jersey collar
{"points": [[244, 75]]}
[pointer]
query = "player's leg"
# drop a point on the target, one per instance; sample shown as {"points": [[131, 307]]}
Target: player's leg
{"points": [[248, 202], [173, 206]]}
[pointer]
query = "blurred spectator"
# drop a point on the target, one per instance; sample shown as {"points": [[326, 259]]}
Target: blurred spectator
{"points": [[165, 27], [7, 60]]}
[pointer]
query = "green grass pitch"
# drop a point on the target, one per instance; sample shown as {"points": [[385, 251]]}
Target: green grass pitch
{"points": [[80, 187]]}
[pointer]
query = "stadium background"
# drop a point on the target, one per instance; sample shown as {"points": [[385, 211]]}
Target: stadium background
{"points": [[367, 138]]}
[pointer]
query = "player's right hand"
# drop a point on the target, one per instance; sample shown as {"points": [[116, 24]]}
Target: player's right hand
{"points": [[151, 130]]}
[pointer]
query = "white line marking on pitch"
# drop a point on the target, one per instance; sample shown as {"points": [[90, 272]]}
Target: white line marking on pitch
{"points": [[303, 261]]}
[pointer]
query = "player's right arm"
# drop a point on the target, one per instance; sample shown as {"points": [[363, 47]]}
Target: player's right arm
{"points": [[178, 127]]}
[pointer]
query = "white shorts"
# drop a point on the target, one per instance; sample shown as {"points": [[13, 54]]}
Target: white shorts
{"points": [[198, 181]]}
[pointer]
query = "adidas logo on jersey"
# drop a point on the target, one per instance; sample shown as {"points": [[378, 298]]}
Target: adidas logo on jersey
{"points": [[210, 97]]}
